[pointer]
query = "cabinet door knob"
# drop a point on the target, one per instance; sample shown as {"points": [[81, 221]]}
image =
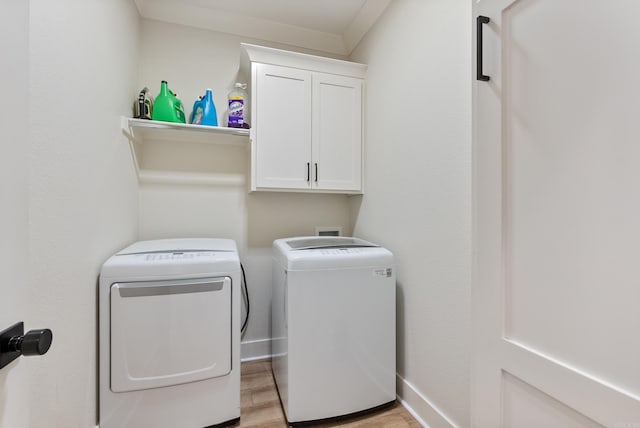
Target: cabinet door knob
{"points": [[316, 164], [308, 171]]}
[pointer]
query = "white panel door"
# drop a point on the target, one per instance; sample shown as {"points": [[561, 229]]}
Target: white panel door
{"points": [[337, 132], [283, 128], [557, 215], [15, 406]]}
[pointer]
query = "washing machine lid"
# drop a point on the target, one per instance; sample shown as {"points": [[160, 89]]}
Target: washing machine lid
{"points": [[306, 253], [316, 242]]}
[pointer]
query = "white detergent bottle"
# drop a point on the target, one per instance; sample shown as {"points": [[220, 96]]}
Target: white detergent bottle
{"points": [[237, 105]]}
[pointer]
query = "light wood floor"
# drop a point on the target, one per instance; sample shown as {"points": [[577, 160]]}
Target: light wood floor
{"points": [[260, 405]]}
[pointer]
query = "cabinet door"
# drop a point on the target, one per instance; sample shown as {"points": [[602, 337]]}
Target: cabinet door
{"points": [[282, 149], [337, 132]]}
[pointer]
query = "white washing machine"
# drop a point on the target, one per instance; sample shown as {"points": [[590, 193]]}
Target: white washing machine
{"points": [[333, 327], [169, 354]]}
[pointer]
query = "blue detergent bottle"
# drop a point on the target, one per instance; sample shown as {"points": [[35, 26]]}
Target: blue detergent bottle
{"points": [[204, 110]]}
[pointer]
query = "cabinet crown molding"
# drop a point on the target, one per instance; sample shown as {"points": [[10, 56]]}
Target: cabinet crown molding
{"points": [[264, 55]]}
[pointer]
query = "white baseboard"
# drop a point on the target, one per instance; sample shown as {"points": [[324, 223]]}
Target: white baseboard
{"points": [[425, 412], [255, 350]]}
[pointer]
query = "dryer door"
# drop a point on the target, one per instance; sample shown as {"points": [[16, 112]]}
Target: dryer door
{"points": [[169, 332]]}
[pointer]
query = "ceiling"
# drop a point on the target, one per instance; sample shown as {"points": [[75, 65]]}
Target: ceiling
{"points": [[333, 26]]}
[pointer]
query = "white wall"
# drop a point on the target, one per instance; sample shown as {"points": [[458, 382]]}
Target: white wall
{"points": [[418, 200], [14, 84], [82, 190], [191, 60]]}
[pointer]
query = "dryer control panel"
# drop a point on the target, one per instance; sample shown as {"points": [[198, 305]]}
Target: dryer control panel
{"points": [[182, 255]]}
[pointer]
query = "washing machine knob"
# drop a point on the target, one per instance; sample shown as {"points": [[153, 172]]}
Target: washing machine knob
{"points": [[34, 342]]}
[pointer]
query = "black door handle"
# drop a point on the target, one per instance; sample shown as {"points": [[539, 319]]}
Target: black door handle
{"points": [[14, 342], [308, 172], [316, 172], [479, 21]]}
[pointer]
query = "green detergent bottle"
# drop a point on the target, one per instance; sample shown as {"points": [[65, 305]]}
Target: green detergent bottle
{"points": [[167, 107]]}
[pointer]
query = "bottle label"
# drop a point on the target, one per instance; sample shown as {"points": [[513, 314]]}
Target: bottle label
{"points": [[197, 116], [236, 112]]}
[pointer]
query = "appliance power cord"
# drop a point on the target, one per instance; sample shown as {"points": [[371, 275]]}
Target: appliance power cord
{"points": [[246, 299]]}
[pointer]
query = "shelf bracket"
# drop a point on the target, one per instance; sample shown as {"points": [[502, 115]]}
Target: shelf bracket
{"points": [[128, 132]]}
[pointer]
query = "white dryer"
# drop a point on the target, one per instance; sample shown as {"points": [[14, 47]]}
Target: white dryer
{"points": [[169, 314], [334, 327]]}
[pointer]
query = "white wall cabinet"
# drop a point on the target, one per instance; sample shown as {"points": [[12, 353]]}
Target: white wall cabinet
{"points": [[306, 114]]}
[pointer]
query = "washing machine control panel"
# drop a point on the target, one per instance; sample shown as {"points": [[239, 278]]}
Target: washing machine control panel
{"points": [[338, 251]]}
